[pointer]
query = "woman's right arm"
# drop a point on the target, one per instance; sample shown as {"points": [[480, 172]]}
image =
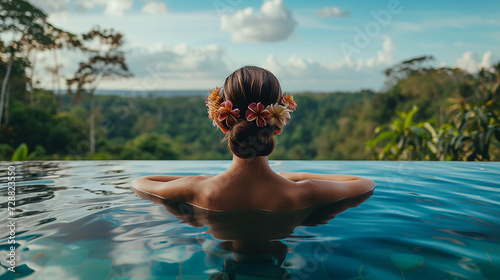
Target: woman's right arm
{"points": [[324, 188], [299, 176]]}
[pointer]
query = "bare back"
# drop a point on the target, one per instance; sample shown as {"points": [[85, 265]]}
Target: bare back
{"points": [[269, 191]]}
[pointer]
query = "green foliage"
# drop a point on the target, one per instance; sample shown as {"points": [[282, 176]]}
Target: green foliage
{"points": [[325, 126], [469, 135], [149, 146], [404, 139], [5, 150], [21, 153], [475, 117], [37, 126]]}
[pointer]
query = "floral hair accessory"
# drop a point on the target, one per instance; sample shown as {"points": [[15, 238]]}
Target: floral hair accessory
{"points": [[278, 116], [288, 102], [257, 112], [213, 104], [227, 113]]}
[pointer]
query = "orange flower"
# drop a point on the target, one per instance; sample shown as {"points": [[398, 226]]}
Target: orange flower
{"points": [[257, 112], [288, 102], [227, 113], [213, 103]]}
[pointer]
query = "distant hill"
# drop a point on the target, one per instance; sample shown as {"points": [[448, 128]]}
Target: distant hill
{"points": [[155, 93]]}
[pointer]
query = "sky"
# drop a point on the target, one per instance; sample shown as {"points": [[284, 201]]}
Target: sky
{"points": [[309, 45]]}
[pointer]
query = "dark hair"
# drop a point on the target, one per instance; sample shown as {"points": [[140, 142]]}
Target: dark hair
{"points": [[247, 85]]}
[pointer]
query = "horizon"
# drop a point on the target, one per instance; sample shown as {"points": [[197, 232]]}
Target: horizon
{"points": [[197, 92]]}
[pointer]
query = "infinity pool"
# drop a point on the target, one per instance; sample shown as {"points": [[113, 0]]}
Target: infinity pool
{"points": [[425, 220]]}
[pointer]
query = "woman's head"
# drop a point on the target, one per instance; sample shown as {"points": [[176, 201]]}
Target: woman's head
{"points": [[252, 84], [243, 87], [250, 126]]}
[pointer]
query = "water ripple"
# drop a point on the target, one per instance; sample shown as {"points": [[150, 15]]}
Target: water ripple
{"points": [[441, 219]]}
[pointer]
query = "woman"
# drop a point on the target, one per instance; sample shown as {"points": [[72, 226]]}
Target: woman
{"points": [[251, 110]]}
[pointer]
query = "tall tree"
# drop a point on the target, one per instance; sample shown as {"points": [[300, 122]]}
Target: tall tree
{"points": [[106, 60], [401, 71], [59, 39], [30, 31], [27, 24]]}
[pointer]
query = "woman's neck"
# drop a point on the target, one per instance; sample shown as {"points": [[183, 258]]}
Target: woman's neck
{"points": [[252, 167]]}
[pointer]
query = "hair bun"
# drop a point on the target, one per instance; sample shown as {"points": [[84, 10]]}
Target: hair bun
{"points": [[246, 140]]}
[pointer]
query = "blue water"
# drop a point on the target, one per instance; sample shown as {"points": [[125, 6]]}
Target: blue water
{"points": [[425, 220]]}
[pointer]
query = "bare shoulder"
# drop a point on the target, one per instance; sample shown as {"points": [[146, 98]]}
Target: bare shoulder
{"points": [[318, 191], [180, 188]]}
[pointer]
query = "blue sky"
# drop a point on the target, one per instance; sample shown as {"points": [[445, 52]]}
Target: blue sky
{"points": [[309, 45]]}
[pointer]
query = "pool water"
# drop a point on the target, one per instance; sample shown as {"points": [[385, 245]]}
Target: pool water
{"points": [[425, 220]]}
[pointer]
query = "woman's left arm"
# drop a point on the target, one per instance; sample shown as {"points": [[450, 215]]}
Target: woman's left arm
{"points": [[166, 186], [158, 178]]}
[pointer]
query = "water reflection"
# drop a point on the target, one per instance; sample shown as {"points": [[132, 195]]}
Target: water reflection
{"points": [[250, 242]]}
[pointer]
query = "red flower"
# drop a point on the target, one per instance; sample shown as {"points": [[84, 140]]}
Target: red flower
{"points": [[227, 113], [257, 112]]}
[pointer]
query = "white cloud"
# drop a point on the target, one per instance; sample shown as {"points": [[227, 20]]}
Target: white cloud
{"points": [[84, 6], [175, 67], [305, 74], [487, 61], [179, 62], [469, 63], [273, 22], [386, 54], [158, 67], [51, 7], [117, 7], [155, 8], [114, 8], [330, 12]]}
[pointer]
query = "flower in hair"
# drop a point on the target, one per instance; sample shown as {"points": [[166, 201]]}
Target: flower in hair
{"points": [[258, 113], [278, 115], [213, 103], [227, 113], [288, 102]]}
